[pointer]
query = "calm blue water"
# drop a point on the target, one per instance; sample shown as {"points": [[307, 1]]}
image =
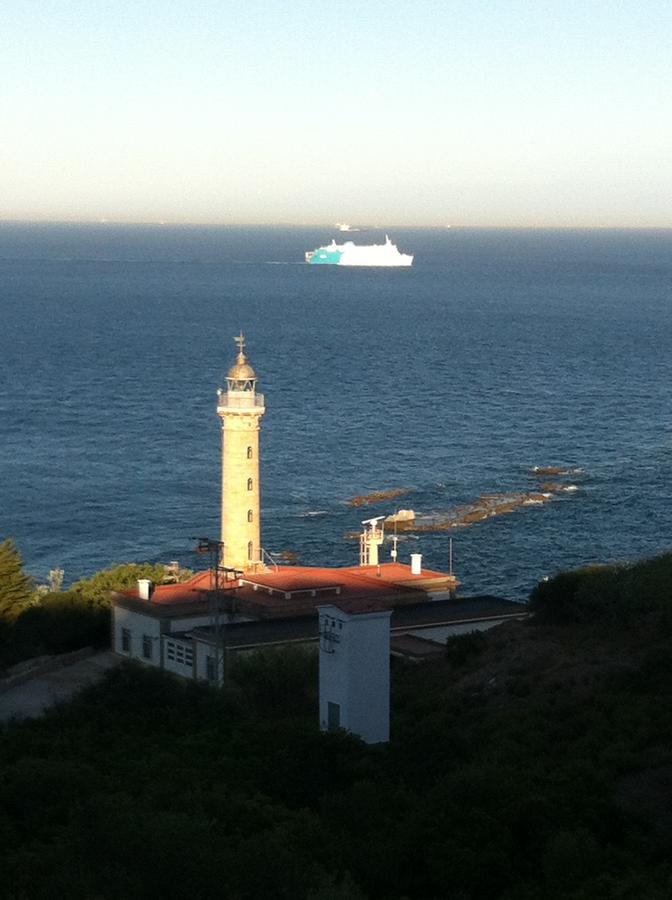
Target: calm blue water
{"points": [[497, 351]]}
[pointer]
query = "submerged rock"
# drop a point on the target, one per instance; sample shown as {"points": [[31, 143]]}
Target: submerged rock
{"points": [[378, 496], [544, 471]]}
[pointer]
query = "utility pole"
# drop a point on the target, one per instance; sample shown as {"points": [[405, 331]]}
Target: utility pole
{"points": [[216, 549]]}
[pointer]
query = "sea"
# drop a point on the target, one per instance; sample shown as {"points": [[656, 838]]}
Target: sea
{"points": [[499, 351]]}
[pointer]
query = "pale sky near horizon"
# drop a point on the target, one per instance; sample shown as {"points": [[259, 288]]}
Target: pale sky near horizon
{"points": [[516, 113]]}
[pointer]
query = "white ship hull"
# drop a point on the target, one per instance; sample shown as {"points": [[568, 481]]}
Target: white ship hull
{"points": [[351, 254], [372, 259]]}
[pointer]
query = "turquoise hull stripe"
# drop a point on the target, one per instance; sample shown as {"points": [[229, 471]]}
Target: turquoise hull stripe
{"points": [[326, 258]]}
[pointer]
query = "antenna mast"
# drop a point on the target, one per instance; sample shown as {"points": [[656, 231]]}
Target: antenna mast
{"points": [[395, 540]]}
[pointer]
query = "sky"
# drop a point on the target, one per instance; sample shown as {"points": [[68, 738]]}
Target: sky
{"points": [[532, 113]]}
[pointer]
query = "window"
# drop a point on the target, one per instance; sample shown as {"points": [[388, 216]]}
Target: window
{"points": [[125, 640], [210, 669], [180, 654], [250, 550], [249, 453], [333, 715], [249, 484], [250, 515], [146, 646]]}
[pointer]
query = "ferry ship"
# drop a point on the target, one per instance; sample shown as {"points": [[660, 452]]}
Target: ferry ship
{"points": [[351, 254]]}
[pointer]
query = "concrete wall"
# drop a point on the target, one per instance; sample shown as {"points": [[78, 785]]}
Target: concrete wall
{"points": [[138, 626], [203, 650], [186, 623], [355, 673]]}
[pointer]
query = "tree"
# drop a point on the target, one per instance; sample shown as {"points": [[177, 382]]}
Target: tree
{"points": [[118, 578], [61, 622], [15, 586]]}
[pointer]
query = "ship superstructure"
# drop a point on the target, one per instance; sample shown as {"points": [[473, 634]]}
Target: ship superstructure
{"points": [[351, 254]]}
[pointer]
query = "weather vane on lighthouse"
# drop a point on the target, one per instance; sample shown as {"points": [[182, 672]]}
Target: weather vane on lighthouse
{"points": [[240, 340]]}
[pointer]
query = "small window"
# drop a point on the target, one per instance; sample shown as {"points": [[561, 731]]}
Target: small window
{"points": [[146, 647], [249, 484], [250, 515], [210, 670], [250, 550], [125, 640], [249, 453], [333, 716]]}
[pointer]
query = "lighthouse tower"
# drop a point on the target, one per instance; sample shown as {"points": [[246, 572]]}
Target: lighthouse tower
{"points": [[240, 408]]}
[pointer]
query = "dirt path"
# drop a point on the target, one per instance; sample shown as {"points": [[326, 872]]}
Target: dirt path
{"points": [[33, 697]]}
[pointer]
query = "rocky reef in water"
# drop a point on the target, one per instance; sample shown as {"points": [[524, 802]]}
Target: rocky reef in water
{"points": [[485, 507], [378, 496]]}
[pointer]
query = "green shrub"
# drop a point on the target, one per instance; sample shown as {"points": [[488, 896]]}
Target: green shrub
{"points": [[97, 588], [606, 594], [278, 681], [463, 647], [62, 622]]}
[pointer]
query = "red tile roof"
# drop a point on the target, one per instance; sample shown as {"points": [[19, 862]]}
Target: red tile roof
{"points": [[374, 587]]}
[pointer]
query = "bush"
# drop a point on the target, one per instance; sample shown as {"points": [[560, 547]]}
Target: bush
{"points": [[462, 647], [61, 622], [277, 682], [605, 594], [118, 578]]}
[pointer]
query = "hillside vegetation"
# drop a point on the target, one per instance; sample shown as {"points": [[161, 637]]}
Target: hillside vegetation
{"points": [[533, 761], [35, 622]]}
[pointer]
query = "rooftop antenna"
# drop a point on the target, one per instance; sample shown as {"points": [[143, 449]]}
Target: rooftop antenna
{"points": [[395, 540], [370, 540]]}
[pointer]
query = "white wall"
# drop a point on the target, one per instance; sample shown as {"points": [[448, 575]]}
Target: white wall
{"points": [[355, 671], [186, 623], [139, 625], [439, 595], [202, 650]]}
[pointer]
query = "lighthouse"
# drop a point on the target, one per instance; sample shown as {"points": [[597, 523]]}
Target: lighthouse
{"points": [[240, 409]]}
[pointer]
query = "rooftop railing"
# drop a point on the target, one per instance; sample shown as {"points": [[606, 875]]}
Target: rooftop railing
{"points": [[242, 400]]}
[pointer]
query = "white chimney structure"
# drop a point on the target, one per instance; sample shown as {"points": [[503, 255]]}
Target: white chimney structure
{"points": [[416, 563], [355, 672], [144, 588]]}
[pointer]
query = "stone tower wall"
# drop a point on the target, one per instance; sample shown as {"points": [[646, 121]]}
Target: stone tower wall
{"points": [[240, 489]]}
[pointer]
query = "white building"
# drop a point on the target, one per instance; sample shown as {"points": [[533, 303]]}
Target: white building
{"points": [[355, 672]]}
